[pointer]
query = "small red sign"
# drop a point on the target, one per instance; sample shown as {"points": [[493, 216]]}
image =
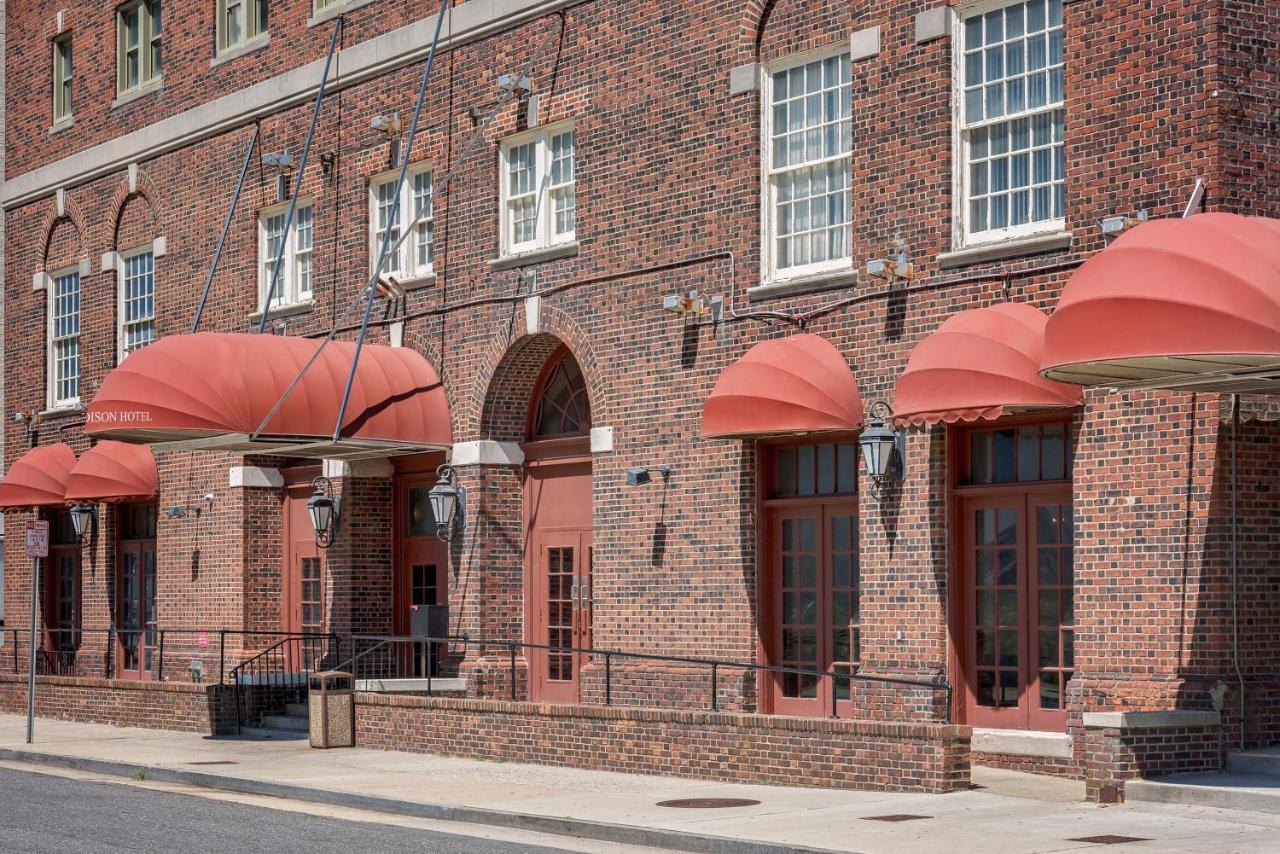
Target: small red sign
{"points": [[202, 639], [37, 538]]}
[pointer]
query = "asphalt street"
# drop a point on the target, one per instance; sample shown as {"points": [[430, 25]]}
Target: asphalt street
{"points": [[42, 814]]}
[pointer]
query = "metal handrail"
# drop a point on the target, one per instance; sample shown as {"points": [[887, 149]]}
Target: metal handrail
{"points": [[273, 663], [714, 665]]}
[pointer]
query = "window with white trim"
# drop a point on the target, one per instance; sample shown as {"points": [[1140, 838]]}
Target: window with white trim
{"points": [[137, 312], [240, 22], [64, 338], [416, 256], [538, 189], [137, 45], [293, 285], [808, 139], [62, 75], [1010, 96]]}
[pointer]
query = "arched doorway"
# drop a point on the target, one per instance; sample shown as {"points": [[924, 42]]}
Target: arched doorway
{"points": [[557, 524]]}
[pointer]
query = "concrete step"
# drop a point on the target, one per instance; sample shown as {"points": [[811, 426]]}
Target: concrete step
{"points": [[265, 734], [290, 723], [297, 710], [1224, 790], [1263, 761]]}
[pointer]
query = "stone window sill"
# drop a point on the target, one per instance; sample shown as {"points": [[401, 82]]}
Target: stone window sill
{"points": [[334, 11], [255, 44], [290, 310], [1012, 248], [535, 256], [415, 282], [804, 284], [62, 124], [66, 410], [141, 92]]}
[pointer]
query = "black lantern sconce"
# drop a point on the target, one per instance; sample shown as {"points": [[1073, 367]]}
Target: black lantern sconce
{"points": [[883, 448], [84, 521], [448, 504], [322, 506]]}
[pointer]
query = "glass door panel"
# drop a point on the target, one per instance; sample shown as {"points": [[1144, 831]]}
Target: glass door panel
{"points": [[1054, 583]]}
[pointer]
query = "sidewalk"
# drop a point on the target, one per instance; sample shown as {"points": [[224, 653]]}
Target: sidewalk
{"points": [[1011, 814]]}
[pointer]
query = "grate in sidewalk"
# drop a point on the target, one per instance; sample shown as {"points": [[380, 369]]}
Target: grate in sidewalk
{"points": [[708, 803], [1109, 839], [895, 817], [215, 762]]}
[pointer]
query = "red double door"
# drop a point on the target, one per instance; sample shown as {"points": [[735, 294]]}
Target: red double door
{"points": [[558, 583]]}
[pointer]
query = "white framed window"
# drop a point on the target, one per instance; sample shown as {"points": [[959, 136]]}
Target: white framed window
{"points": [[808, 141], [240, 22], [64, 338], [137, 313], [138, 27], [62, 77], [293, 285], [537, 186], [1011, 167], [415, 258]]}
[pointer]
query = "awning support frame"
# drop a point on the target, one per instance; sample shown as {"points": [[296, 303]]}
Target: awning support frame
{"points": [[226, 226]]}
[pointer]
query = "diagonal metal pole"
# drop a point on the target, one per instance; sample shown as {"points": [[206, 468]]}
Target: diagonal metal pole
{"points": [[392, 216], [226, 226], [302, 171]]}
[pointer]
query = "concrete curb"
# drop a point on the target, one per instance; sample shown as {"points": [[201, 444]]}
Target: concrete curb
{"points": [[579, 828]]}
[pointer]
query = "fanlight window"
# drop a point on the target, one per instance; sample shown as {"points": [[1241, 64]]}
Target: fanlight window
{"points": [[563, 407]]}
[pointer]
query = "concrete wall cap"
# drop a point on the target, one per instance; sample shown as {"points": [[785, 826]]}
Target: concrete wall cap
{"points": [[1151, 720], [486, 453], [1010, 742], [239, 477]]}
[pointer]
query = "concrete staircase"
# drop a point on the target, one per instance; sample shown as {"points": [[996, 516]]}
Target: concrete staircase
{"points": [[293, 724], [1251, 781]]}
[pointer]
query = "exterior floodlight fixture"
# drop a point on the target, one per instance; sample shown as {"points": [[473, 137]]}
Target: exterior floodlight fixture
{"points": [[448, 503], [512, 83], [896, 268], [84, 521], [393, 128], [643, 475], [694, 303], [1114, 226], [282, 162], [883, 448], [322, 507]]}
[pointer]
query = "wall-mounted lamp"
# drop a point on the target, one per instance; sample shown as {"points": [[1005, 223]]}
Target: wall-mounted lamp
{"points": [[84, 521], [448, 503], [282, 162], [883, 448], [893, 269], [392, 128], [695, 304], [1114, 226], [180, 511], [322, 506], [643, 475]]}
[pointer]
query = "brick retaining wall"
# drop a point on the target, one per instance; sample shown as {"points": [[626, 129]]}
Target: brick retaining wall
{"points": [[742, 748], [182, 706], [1122, 747]]}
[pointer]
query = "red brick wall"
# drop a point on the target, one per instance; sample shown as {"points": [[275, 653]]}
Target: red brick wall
{"points": [[171, 705], [728, 747], [1114, 756]]}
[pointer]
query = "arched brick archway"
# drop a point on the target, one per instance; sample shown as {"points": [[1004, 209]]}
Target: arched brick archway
{"points": [[64, 238]]}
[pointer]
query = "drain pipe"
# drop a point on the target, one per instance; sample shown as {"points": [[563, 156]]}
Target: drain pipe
{"points": [[1235, 567]]}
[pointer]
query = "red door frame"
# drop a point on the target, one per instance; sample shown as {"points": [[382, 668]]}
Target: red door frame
{"points": [[961, 597], [299, 544], [59, 643], [430, 548], [768, 628], [577, 541], [141, 547]]}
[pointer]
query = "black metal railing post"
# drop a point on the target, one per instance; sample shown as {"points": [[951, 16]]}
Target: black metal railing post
{"points": [[835, 693], [110, 648], [160, 677], [715, 688], [608, 679], [513, 672], [430, 660], [222, 656]]}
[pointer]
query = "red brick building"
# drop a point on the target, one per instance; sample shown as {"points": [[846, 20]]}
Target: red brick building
{"points": [[605, 271]]}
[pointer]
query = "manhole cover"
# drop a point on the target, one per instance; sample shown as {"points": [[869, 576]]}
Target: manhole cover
{"points": [[708, 803], [1109, 839], [895, 817], [214, 762]]}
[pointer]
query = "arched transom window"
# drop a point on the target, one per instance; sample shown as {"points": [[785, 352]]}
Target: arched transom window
{"points": [[563, 408]]}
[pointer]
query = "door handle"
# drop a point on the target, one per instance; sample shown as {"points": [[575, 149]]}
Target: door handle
{"points": [[585, 602], [573, 593]]}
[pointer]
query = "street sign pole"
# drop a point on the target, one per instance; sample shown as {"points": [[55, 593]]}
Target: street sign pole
{"points": [[37, 542], [31, 661]]}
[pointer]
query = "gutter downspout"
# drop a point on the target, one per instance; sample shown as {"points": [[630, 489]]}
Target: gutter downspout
{"points": [[1235, 548]]}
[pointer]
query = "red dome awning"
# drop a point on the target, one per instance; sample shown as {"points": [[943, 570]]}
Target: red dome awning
{"points": [[1175, 304], [799, 384], [38, 478], [213, 390], [114, 471], [980, 364]]}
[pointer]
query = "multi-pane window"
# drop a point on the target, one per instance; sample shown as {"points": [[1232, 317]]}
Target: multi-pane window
{"points": [[807, 146], [62, 74], [64, 339], [1013, 122], [137, 301], [293, 282], [539, 199], [138, 45], [240, 21], [416, 255], [1019, 454]]}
